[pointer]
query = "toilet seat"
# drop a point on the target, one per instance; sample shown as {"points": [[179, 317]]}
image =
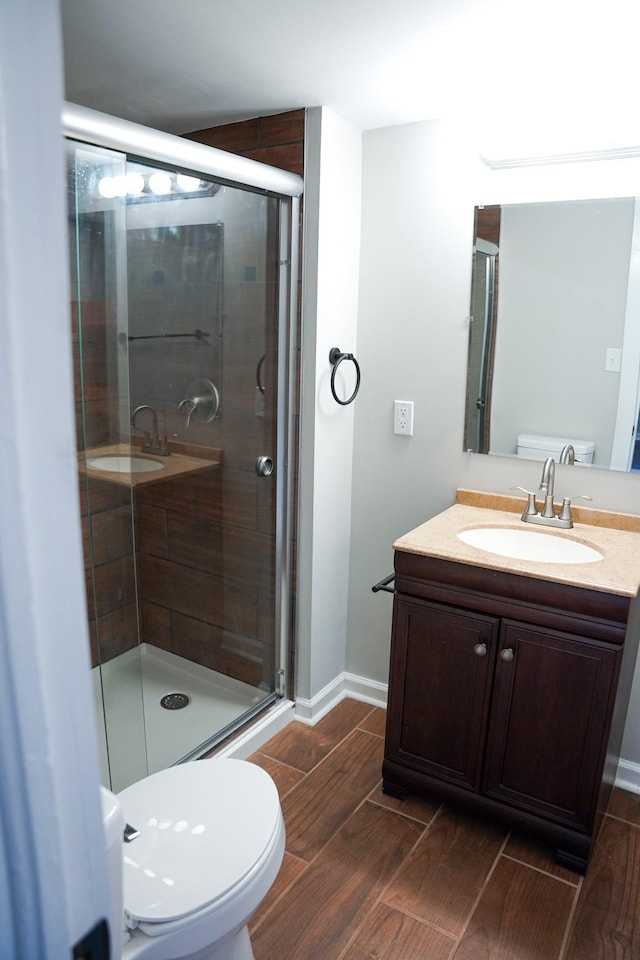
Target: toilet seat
{"points": [[206, 828]]}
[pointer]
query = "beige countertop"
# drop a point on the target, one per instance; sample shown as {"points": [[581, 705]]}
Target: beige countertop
{"points": [[615, 535], [185, 458]]}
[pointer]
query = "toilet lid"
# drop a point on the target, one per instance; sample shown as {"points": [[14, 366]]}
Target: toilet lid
{"points": [[203, 827]]}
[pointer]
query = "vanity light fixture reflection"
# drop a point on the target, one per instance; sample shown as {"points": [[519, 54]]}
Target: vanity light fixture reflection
{"points": [[143, 183]]}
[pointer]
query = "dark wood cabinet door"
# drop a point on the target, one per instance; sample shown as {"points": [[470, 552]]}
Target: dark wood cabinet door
{"points": [[441, 668], [552, 699]]}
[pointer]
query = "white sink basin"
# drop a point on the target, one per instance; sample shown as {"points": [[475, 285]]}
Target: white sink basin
{"points": [[529, 545], [125, 464]]}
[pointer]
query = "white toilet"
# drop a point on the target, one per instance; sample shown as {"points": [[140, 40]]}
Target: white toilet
{"points": [[209, 846], [536, 447]]}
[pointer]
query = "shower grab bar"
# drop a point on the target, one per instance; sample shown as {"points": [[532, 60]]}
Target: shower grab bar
{"points": [[384, 585], [196, 335], [335, 359]]}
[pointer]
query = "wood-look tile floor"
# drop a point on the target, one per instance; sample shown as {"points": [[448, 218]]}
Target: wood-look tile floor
{"points": [[368, 876]]}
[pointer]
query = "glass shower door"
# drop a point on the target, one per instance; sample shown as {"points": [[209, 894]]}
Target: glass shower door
{"points": [[99, 314], [203, 349], [176, 278]]}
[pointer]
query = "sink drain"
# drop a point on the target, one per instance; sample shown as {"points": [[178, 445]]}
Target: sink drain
{"points": [[175, 701]]}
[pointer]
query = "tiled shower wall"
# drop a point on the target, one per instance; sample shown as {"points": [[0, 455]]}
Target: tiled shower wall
{"points": [[276, 140], [279, 141]]}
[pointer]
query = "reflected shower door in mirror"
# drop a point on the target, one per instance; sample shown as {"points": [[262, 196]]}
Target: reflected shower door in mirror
{"points": [[557, 354], [482, 329]]}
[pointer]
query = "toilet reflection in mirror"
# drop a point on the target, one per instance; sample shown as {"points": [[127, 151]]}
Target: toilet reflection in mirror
{"points": [[554, 341]]}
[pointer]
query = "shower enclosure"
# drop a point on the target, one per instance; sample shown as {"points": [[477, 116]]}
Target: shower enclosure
{"points": [[183, 280]]}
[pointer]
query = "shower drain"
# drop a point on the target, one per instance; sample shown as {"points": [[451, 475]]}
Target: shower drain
{"points": [[175, 701]]}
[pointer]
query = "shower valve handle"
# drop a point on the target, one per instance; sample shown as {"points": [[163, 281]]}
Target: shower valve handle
{"points": [[202, 399], [191, 405]]}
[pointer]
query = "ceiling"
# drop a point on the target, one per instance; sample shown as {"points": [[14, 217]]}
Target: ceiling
{"points": [[182, 65]]}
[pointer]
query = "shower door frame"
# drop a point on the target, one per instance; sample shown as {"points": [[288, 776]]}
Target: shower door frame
{"points": [[137, 141]]}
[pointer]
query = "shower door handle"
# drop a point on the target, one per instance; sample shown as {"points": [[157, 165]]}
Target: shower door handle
{"points": [[264, 466]]}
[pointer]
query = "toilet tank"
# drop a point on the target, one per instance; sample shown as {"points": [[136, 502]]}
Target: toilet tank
{"points": [[113, 822], [536, 447]]}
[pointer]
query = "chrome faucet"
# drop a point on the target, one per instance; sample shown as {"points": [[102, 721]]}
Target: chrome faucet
{"points": [[151, 442], [547, 516], [547, 482], [567, 454]]}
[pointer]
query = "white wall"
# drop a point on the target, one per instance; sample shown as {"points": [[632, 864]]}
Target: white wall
{"points": [[564, 271], [420, 183], [330, 309], [412, 338]]}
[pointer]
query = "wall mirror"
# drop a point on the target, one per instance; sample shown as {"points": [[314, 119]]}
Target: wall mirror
{"points": [[554, 341]]}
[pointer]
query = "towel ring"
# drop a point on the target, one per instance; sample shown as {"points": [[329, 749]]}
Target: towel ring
{"points": [[335, 359]]}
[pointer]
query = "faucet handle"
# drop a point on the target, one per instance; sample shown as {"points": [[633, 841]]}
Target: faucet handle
{"points": [[565, 512], [530, 509]]}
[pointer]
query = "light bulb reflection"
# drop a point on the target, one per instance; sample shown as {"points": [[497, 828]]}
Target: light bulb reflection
{"points": [[160, 183], [122, 185], [135, 184], [107, 188], [186, 183]]}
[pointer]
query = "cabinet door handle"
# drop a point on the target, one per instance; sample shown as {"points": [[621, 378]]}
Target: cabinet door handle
{"points": [[480, 649], [506, 654]]}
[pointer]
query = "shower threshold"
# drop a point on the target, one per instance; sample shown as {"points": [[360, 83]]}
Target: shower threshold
{"points": [[144, 737]]}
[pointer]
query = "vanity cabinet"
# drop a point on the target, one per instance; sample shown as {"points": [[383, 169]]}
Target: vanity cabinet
{"points": [[505, 697]]}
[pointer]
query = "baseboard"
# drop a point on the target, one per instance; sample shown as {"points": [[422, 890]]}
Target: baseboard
{"points": [[344, 685], [305, 711], [359, 688], [628, 776]]}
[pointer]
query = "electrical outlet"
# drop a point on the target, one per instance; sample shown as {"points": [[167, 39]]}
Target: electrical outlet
{"points": [[403, 418]]}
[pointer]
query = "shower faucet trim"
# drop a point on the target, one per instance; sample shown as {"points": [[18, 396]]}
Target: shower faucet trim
{"points": [[202, 400]]}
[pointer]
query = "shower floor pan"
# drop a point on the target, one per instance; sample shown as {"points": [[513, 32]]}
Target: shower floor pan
{"points": [[143, 736]]}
